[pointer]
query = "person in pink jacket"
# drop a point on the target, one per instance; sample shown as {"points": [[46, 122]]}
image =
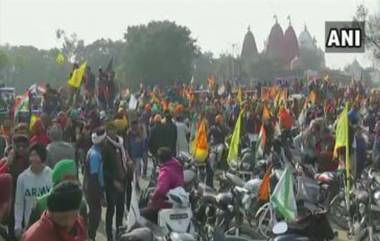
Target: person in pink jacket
{"points": [[170, 177]]}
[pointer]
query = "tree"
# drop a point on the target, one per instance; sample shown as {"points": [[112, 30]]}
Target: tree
{"points": [[310, 58], [266, 68], [372, 30], [72, 47], [4, 63], [203, 67], [159, 53]]}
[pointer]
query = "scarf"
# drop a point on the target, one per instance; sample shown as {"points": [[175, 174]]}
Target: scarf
{"points": [[120, 144]]}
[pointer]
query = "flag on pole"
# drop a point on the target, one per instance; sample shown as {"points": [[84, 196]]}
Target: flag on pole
{"points": [[266, 113], [235, 142], [260, 148], [60, 58], [199, 147], [342, 140], [76, 79], [134, 216], [264, 189], [33, 119], [283, 198], [21, 104]]}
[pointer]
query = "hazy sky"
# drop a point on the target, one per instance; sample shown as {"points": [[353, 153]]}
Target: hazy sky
{"points": [[216, 24]]}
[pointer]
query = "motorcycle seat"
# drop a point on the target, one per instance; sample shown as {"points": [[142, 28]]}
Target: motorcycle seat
{"points": [[291, 237], [237, 181], [181, 237], [138, 234], [203, 188], [209, 198]]}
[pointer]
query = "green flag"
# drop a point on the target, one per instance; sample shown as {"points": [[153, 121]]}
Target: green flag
{"points": [[283, 198]]}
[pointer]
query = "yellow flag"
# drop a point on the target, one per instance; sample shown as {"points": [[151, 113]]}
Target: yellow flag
{"points": [[342, 140], [76, 79], [33, 119], [240, 95], [60, 58], [234, 144]]}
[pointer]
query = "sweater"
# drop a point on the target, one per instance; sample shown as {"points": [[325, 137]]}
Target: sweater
{"points": [[29, 187]]}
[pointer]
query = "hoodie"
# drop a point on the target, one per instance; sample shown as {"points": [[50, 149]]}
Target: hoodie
{"points": [[170, 177]]}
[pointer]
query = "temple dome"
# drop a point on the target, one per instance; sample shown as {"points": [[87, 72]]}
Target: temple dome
{"points": [[290, 44], [305, 39], [249, 49], [275, 41]]}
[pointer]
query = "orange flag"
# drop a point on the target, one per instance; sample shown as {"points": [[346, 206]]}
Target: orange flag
{"points": [[266, 113], [199, 146], [264, 190]]}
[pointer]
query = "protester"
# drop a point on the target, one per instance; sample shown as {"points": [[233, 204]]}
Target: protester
{"points": [[39, 134], [170, 177], [169, 130], [17, 162], [64, 170], [115, 160], [31, 184], [58, 149], [136, 146], [5, 201], [183, 132], [61, 221], [93, 182]]}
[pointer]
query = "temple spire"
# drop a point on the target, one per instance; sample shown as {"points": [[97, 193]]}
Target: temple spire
{"points": [[290, 21], [275, 18]]}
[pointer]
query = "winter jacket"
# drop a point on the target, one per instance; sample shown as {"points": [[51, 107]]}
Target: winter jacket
{"points": [[46, 230], [163, 135], [113, 164], [170, 177]]}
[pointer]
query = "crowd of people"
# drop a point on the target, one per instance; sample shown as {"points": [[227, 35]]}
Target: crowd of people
{"points": [[58, 172]]}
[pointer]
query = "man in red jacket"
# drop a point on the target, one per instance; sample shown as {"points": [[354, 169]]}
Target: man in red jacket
{"points": [[61, 221]]}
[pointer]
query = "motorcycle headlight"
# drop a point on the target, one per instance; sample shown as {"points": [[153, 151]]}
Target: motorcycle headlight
{"points": [[376, 197]]}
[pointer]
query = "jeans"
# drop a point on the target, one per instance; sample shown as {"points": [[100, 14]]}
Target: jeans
{"points": [[115, 200], [94, 215]]}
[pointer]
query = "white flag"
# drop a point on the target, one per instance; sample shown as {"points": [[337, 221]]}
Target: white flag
{"points": [[132, 103], [134, 216]]}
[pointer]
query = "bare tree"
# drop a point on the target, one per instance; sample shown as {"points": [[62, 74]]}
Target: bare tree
{"points": [[372, 30]]}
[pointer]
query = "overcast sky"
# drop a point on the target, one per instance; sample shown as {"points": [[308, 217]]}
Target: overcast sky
{"points": [[216, 24]]}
